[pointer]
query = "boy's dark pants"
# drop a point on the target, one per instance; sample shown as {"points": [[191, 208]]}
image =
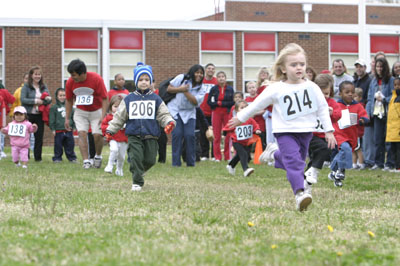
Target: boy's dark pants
{"points": [[162, 146], [143, 153], [64, 140], [318, 152]]}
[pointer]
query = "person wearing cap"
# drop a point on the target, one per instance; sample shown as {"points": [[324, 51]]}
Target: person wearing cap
{"points": [[19, 131], [339, 75], [88, 91], [189, 95], [362, 80], [142, 112]]}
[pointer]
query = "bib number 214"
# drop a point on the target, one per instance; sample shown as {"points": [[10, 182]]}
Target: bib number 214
{"points": [[298, 103]]}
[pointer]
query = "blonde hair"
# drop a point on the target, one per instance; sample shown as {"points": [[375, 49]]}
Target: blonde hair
{"points": [[359, 92], [289, 49], [250, 82], [259, 80]]}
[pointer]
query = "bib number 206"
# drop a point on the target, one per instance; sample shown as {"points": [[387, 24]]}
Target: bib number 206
{"points": [[297, 104], [142, 110]]}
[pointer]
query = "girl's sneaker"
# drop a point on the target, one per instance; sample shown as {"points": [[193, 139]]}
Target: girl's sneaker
{"points": [[18, 164], [248, 172], [307, 187], [303, 200], [136, 187], [268, 154], [230, 169], [25, 166]]}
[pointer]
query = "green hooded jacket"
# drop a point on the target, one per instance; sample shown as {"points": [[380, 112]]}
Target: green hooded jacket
{"points": [[57, 115]]}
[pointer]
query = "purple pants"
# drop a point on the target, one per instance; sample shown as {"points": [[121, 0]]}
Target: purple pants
{"points": [[19, 153], [291, 156]]}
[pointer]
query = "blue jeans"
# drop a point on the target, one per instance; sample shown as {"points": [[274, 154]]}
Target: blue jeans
{"points": [[1, 142], [368, 146], [64, 140], [180, 132], [343, 159]]}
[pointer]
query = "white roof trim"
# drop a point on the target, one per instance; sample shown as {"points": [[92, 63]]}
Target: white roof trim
{"points": [[200, 25]]}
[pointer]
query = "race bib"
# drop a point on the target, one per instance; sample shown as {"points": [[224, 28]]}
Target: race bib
{"points": [[244, 132], [142, 110], [297, 104], [84, 100], [17, 130]]}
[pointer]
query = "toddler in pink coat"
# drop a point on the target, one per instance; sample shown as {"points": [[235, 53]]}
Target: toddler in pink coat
{"points": [[19, 131]]}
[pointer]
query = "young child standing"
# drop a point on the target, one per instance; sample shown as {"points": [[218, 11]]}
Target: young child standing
{"points": [[297, 103], [346, 132], [19, 131], [393, 124], [318, 151], [258, 117], [118, 142], [143, 112], [358, 157], [62, 137], [241, 136], [119, 87]]}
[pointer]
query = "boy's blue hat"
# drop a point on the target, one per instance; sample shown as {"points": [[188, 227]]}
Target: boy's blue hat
{"points": [[141, 69]]}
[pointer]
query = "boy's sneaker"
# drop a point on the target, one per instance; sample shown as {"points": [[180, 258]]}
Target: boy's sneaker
{"points": [[311, 175], [119, 172], [338, 183], [374, 167], [387, 168], [248, 172], [303, 199], [136, 187], [230, 169], [97, 161], [268, 154], [203, 159], [86, 164], [108, 169], [340, 174], [307, 187], [73, 161], [331, 176]]}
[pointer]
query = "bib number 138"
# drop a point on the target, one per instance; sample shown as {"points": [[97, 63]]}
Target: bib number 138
{"points": [[17, 130], [298, 103]]}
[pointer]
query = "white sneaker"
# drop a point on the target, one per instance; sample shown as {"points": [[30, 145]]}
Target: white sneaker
{"points": [[303, 199], [217, 161], [268, 154], [307, 187], [230, 169], [203, 159], [97, 161], [119, 172], [109, 169], [24, 166], [3, 154], [311, 175], [248, 172], [86, 164], [136, 187]]}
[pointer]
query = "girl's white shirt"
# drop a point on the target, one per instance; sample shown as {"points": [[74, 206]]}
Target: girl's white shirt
{"points": [[303, 122]]}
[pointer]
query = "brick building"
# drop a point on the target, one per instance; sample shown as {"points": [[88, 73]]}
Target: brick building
{"points": [[246, 36]]}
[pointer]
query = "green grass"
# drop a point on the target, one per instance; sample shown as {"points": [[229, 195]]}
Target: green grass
{"points": [[61, 214]]}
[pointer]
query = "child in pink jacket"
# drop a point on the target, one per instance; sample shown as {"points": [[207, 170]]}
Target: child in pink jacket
{"points": [[19, 131]]}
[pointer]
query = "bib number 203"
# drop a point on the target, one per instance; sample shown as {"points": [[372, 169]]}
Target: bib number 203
{"points": [[297, 104], [142, 110], [244, 132]]}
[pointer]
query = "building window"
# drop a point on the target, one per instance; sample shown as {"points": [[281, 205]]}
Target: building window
{"points": [[82, 44], [218, 48], [344, 47], [1, 58], [259, 51], [387, 44], [126, 49]]}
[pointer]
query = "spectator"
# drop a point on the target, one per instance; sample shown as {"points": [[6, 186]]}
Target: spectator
{"points": [[6, 99], [396, 69], [310, 73], [339, 72]]}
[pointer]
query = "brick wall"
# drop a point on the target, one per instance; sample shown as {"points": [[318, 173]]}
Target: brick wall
{"points": [[263, 12], [239, 60], [383, 15], [346, 14], [170, 54], [23, 50], [317, 47]]}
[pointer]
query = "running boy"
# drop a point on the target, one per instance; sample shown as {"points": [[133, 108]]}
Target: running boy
{"points": [[346, 132], [62, 137], [297, 103], [143, 112]]}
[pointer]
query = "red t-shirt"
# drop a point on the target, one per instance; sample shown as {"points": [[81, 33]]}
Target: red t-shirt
{"points": [[93, 85], [232, 131], [114, 91], [207, 85]]}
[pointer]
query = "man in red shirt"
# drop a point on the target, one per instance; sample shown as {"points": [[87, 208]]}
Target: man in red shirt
{"points": [[90, 95], [209, 81]]}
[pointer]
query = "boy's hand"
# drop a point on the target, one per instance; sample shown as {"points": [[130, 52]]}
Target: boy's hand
{"points": [[168, 128], [361, 122], [330, 138], [66, 125]]}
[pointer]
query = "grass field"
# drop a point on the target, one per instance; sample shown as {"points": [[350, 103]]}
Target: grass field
{"points": [[61, 214]]}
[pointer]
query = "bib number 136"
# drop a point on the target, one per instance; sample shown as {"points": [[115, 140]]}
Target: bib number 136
{"points": [[298, 103], [142, 110]]}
